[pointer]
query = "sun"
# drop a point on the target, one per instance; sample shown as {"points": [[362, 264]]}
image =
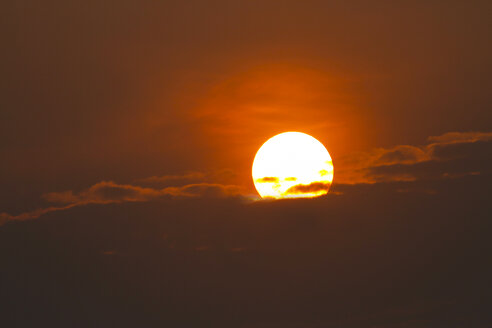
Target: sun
{"points": [[292, 165]]}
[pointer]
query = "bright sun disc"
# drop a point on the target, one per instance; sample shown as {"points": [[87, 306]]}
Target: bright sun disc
{"points": [[292, 165]]}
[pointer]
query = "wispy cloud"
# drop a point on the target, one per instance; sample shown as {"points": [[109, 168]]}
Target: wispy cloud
{"points": [[190, 176], [459, 137], [222, 176], [399, 163], [448, 156], [108, 192]]}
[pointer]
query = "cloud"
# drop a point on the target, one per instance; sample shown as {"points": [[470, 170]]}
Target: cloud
{"points": [[5, 217], [366, 258], [444, 156], [449, 156], [461, 137], [314, 187], [268, 180], [400, 154], [191, 176], [109, 192], [222, 176], [203, 190], [104, 192]]}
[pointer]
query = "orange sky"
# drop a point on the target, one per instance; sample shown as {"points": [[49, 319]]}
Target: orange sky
{"points": [[137, 90]]}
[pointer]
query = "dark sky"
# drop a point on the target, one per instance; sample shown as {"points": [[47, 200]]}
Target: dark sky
{"points": [[127, 135]]}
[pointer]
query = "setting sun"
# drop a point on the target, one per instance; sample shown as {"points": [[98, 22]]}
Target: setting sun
{"points": [[292, 165]]}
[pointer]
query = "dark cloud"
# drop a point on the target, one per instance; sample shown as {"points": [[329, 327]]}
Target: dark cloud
{"points": [[204, 190], [449, 154], [448, 161], [105, 192], [369, 257], [308, 188], [108, 192], [268, 180], [5, 217], [465, 150], [401, 154], [460, 137]]}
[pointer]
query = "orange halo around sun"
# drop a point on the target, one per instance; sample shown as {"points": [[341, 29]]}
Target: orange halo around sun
{"points": [[292, 165]]}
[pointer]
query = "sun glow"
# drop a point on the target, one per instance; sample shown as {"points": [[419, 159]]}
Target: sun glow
{"points": [[292, 165]]}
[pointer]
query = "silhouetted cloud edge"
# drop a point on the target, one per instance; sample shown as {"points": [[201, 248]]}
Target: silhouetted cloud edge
{"points": [[109, 192]]}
